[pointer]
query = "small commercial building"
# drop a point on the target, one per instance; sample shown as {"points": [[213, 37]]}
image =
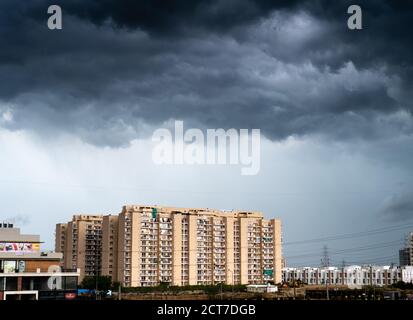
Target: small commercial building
{"points": [[28, 273], [262, 288]]}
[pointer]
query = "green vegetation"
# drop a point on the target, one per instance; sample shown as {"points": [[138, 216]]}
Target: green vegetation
{"points": [[164, 287], [103, 283], [403, 285]]}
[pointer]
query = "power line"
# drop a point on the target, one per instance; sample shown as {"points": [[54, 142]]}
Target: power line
{"points": [[351, 250], [352, 235]]}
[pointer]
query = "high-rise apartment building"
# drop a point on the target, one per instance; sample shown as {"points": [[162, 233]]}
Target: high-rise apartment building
{"points": [[188, 246], [80, 241], [150, 245]]}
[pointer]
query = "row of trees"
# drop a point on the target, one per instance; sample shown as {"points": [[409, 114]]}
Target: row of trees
{"points": [[101, 283], [104, 283]]}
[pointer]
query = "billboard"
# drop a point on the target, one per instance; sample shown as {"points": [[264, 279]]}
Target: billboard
{"points": [[19, 247]]}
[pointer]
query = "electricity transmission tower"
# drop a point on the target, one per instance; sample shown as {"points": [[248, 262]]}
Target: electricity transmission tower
{"points": [[325, 263]]}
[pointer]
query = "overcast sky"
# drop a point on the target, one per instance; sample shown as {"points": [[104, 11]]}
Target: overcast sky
{"points": [[78, 107]]}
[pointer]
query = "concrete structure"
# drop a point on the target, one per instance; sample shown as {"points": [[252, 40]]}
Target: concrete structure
{"points": [[80, 241], [406, 254], [351, 276], [150, 245], [28, 273]]}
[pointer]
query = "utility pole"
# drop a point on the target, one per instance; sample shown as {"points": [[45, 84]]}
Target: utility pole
{"points": [[325, 263]]}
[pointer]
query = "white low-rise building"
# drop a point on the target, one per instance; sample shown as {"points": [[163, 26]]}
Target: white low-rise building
{"points": [[351, 276], [407, 274]]}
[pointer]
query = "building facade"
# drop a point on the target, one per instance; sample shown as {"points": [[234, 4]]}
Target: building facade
{"points": [[28, 273], [351, 276], [110, 246], [60, 237], [151, 245], [80, 241]]}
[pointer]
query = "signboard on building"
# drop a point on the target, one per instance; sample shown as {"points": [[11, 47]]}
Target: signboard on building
{"points": [[19, 247], [154, 213], [268, 272]]}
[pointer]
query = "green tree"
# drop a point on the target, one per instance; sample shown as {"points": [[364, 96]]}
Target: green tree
{"points": [[102, 283]]}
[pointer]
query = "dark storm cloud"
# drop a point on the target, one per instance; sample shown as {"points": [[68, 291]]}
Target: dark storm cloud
{"points": [[288, 68], [399, 207], [172, 16]]}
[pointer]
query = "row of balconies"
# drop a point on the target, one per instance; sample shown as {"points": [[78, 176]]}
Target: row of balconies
{"points": [[204, 234], [203, 257], [203, 245], [146, 225], [149, 231], [149, 269], [148, 244], [148, 255]]}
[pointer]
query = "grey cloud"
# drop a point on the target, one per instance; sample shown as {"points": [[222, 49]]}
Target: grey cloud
{"points": [[288, 69], [399, 207]]}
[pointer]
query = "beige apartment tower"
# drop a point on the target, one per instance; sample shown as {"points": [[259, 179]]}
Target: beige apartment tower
{"points": [[150, 245], [80, 241], [187, 246]]}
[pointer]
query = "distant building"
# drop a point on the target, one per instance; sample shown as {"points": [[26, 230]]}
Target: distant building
{"points": [[405, 257], [406, 254], [28, 273], [351, 276]]}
